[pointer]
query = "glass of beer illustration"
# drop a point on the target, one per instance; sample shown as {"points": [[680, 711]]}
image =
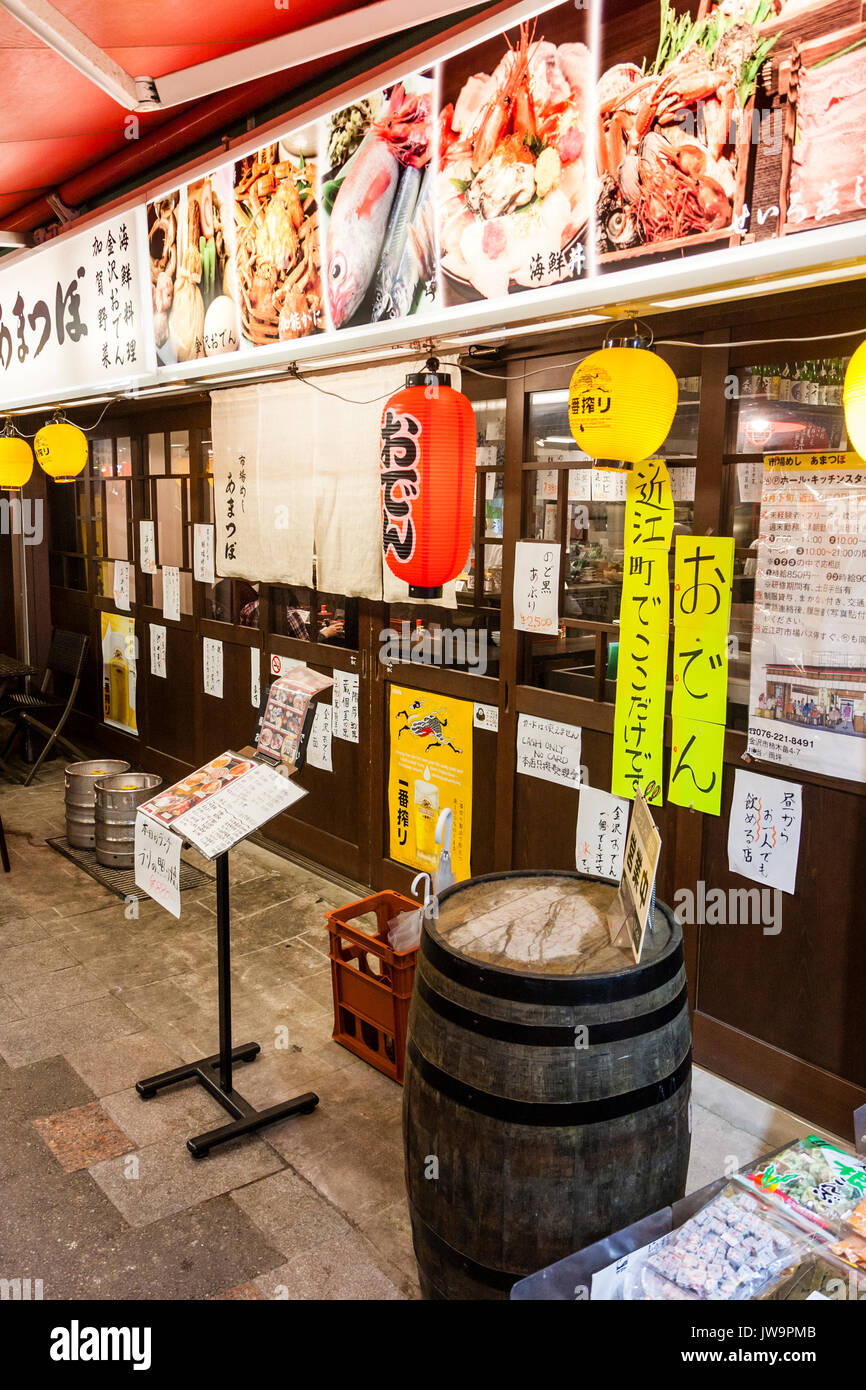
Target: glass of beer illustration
{"points": [[426, 814]]}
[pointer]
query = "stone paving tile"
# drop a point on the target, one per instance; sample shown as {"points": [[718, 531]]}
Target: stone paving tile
{"points": [[257, 893], [342, 1270], [52, 1227], [292, 1215], [169, 1179], [57, 989], [30, 1039], [319, 987], [358, 1176], [81, 1137], [15, 931], [390, 1234], [179, 1112], [9, 1010], [127, 1060], [31, 959], [23, 1154], [41, 1088], [240, 1293]]}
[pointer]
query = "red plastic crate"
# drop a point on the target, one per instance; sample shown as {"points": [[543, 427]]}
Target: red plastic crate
{"points": [[372, 983]]}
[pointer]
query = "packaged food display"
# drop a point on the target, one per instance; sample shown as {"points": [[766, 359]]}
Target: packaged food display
{"points": [[815, 1178], [851, 1249], [733, 1248]]}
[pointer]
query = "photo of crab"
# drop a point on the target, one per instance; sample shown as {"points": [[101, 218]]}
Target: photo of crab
{"points": [[376, 195], [278, 263], [513, 187], [675, 125], [191, 244]]}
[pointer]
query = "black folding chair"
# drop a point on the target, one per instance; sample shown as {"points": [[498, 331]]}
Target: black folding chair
{"points": [[66, 658]]}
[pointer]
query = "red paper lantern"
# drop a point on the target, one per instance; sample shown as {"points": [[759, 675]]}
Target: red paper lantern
{"points": [[428, 481]]}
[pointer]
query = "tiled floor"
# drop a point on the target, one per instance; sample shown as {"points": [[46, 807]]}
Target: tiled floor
{"points": [[99, 1196]]}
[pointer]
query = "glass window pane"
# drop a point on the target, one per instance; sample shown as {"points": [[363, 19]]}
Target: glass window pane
{"points": [[492, 574], [64, 527], [490, 432], [123, 468], [790, 407], [541, 518], [185, 591], [179, 442], [155, 453], [115, 516], [290, 612], [207, 455], [169, 510], [550, 438], [101, 458], [494, 503]]}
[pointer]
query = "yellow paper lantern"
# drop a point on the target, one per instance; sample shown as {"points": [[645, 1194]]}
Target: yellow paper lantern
{"points": [[621, 403], [854, 401], [61, 449], [16, 462]]}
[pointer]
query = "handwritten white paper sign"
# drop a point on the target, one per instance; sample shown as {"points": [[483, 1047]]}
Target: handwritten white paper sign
{"points": [[147, 547], [212, 654], [580, 485], [683, 484], [764, 829], [609, 484], [203, 554], [157, 863], [157, 650], [536, 587], [602, 821], [345, 697], [548, 750], [171, 593], [749, 480], [121, 584], [319, 742], [486, 717], [255, 677]]}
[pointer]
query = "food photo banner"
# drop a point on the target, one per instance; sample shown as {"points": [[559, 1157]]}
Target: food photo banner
{"points": [[586, 141]]}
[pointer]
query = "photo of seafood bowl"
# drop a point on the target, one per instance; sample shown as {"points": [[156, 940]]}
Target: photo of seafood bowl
{"points": [[380, 247], [191, 244], [277, 225], [674, 132], [513, 187]]}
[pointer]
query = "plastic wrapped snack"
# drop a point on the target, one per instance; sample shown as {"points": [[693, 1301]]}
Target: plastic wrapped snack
{"points": [[733, 1248], [815, 1178]]}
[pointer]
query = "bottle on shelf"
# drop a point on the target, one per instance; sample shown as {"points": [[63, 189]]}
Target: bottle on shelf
{"points": [[785, 382]]}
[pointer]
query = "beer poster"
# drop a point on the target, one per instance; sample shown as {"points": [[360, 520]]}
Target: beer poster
{"points": [[118, 672], [430, 770]]}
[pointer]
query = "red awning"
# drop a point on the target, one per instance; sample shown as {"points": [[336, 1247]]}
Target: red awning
{"points": [[56, 124]]}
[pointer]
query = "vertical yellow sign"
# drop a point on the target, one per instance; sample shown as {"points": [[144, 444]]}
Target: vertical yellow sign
{"points": [[703, 577], [430, 770], [638, 735]]}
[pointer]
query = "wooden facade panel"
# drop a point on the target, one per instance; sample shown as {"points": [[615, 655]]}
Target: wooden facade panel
{"points": [[801, 990]]}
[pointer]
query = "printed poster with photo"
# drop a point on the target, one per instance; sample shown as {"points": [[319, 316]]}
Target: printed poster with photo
{"points": [[515, 183], [430, 770], [807, 697], [119, 672], [191, 242], [377, 174]]}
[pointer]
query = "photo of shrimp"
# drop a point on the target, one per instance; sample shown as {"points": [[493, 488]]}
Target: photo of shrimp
{"points": [[513, 186], [376, 193], [675, 126], [279, 280]]}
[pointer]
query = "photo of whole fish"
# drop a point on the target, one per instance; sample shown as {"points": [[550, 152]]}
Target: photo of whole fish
{"points": [[380, 254]]}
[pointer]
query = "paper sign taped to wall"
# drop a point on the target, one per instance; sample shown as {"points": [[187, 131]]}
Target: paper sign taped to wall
{"points": [[171, 593], [764, 829], [157, 650], [536, 587], [548, 750]]}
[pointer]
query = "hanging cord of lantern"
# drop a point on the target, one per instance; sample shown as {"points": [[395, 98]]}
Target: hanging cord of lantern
{"points": [[59, 418]]}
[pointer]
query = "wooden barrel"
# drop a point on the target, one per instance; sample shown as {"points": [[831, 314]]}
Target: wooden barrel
{"points": [[546, 1095]]}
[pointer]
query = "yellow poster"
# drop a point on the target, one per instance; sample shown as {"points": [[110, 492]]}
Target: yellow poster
{"points": [[703, 574], [119, 672], [638, 728], [430, 770], [696, 765], [700, 675]]}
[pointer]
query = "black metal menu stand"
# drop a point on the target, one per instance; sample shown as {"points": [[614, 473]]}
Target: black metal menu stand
{"points": [[215, 1073]]}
